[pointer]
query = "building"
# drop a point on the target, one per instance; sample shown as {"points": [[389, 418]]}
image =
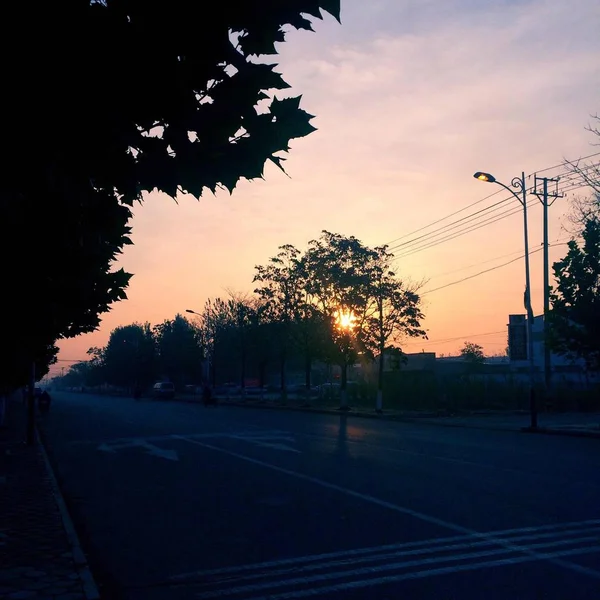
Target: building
{"points": [[564, 369]]}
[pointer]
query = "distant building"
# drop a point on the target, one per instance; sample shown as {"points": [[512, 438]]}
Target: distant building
{"points": [[563, 368]]}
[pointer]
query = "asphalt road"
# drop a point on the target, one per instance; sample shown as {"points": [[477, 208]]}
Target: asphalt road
{"points": [[177, 501]]}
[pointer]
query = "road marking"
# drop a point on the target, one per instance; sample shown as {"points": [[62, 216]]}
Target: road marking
{"points": [[324, 577], [395, 507], [277, 440], [536, 532], [232, 432], [431, 548], [353, 585], [150, 449], [268, 440]]}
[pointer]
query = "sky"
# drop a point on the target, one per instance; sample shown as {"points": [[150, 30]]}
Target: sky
{"points": [[410, 98]]}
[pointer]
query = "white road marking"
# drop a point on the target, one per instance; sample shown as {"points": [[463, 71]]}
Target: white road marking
{"points": [[140, 443], [267, 439], [323, 577], [395, 507], [232, 433], [353, 585], [298, 568], [537, 532]]}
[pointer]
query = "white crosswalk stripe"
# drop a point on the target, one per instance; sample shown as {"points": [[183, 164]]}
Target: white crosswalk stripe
{"points": [[331, 572]]}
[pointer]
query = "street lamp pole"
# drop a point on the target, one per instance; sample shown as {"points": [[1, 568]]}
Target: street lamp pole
{"points": [[518, 183]]}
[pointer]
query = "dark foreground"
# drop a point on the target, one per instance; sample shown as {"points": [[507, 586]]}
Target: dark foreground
{"points": [[180, 501]]}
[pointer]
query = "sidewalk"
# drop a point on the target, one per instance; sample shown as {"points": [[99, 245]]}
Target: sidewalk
{"points": [[40, 558], [569, 424]]}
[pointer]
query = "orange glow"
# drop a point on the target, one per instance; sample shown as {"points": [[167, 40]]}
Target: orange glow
{"points": [[406, 162], [345, 319]]}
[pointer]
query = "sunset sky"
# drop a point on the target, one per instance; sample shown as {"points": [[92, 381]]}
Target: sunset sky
{"points": [[411, 99]]}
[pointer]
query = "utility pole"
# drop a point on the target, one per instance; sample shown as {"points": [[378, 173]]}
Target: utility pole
{"points": [[544, 196], [519, 184], [533, 413]]}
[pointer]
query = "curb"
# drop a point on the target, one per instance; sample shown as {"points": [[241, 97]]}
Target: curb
{"points": [[366, 415], [564, 432], [421, 420], [88, 583]]}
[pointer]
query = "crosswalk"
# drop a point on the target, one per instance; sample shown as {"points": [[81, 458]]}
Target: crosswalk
{"points": [[274, 440], [344, 571]]}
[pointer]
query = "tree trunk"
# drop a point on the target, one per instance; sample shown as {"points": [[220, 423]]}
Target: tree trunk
{"points": [[282, 374], [213, 362], [379, 402], [262, 367], [243, 374], [343, 390], [307, 374]]}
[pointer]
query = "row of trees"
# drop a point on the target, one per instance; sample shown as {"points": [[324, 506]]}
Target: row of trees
{"points": [[138, 354], [99, 139], [337, 301]]}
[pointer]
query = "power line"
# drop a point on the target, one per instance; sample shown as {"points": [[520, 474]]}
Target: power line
{"points": [[425, 244], [454, 339], [453, 224], [437, 275], [72, 360], [485, 271], [568, 162], [478, 274], [569, 173], [446, 217], [471, 228], [489, 260]]}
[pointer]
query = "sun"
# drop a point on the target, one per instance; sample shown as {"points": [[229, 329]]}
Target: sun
{"points": [[345, 319]]}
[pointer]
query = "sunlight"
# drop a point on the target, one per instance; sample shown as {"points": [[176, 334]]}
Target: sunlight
{"points": [[345, 319]]}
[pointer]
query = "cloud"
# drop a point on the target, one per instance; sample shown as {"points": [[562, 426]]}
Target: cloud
{"points": [[411, 98]]}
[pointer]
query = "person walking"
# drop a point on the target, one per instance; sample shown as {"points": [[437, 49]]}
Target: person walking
{"points": [[44, 401]]}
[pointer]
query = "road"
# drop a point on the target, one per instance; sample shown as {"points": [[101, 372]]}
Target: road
{"points": [[178, 501]]}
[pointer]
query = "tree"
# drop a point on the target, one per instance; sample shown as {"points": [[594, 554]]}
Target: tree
{"points": [[337, 279], [129, 359], [214, 322], [242, 315], [588, 173], [180, 351], [70, 182], [394, 313], [15, 368], [78, 375], [472, 354], [575, 312], [281, 296], [312, 336]]}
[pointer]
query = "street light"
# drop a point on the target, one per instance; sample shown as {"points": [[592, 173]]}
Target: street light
{"points": [[518, 183]]}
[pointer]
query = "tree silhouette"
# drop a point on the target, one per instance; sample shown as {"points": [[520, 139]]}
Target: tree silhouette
{"points": [[472, 354], [126, 97], [575, 313], [393, 313]]}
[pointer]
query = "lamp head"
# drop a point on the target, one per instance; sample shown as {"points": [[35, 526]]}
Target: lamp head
{"points": [[484, 177]]}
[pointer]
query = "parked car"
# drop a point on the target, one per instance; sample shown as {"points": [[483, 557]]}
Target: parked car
{"points": [[164, 389], [227, 389]]}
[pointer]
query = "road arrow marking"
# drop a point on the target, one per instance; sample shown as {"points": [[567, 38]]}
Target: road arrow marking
{"points": [[160, 452], [150, 449]]}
